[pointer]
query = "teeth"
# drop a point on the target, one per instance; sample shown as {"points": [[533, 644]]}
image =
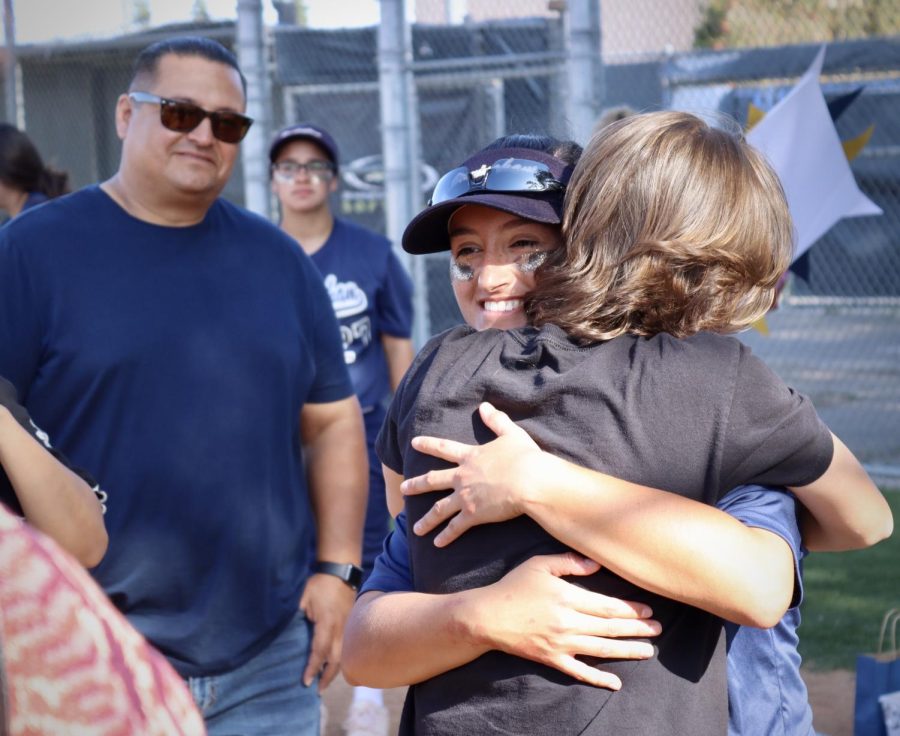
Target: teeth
{"points": [[509, 305]]}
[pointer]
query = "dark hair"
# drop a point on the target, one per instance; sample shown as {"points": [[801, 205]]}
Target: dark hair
{"points": [[147, 62], [566, 151], [22, 167]]}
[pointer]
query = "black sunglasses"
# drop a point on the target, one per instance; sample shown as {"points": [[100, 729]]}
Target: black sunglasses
{"points": [[183, 117], [504, 175]]}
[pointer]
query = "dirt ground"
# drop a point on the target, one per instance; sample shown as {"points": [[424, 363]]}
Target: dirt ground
{"points": [[831, 695]]}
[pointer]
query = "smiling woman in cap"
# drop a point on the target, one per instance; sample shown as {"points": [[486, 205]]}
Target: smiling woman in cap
{"points": [[498, 214]]}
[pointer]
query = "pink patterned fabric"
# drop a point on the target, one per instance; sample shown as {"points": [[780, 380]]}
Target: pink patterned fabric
{"points": [[73, 664]]}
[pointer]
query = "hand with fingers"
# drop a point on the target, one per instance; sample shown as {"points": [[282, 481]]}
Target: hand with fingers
{"points": [[490, 482], [534, 614], [326, 601]]}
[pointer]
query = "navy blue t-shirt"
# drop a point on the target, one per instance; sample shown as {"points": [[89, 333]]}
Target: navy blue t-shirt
{"points": [[372, 296], [174, 362]]}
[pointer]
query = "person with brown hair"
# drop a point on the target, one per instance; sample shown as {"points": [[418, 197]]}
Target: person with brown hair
{"points": [[25, 181], [609, 404]]}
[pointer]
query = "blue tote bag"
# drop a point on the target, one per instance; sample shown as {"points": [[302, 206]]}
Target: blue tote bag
{"points": [[877, 674]]}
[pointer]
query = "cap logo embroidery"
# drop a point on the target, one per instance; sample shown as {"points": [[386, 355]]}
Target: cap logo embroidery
{"points": [[480, 172]]}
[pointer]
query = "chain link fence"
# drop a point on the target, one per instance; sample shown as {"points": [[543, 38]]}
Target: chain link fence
{"points": [[484, 68]]}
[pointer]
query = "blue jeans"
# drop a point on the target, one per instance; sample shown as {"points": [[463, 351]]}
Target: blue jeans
{"points": [[265, 695]]}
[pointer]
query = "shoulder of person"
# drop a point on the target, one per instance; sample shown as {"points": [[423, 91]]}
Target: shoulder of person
{"points": [[703, 347], [264, 233], [361, 236], [449, 337], [62, 212]]}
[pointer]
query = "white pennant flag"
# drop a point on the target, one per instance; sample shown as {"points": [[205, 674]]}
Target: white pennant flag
{"points": [[799, 139]]}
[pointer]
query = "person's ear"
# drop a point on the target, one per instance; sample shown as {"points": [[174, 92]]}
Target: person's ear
{"points": [[124, 112], [333, 184]]}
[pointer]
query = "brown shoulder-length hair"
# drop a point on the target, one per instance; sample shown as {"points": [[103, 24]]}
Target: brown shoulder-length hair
{"points": [[670, 225]]}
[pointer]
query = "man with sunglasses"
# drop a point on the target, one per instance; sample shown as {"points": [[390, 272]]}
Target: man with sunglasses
{"points": [[372, 298], [185, 348]]}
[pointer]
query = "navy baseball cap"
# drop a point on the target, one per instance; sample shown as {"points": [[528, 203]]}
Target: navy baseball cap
{"points": [[304, 131], [521, 181]]}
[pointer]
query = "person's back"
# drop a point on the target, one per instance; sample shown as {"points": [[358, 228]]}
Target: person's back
{"points": [[607, 407]]}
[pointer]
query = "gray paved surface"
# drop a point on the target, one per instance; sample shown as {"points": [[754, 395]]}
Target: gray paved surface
{"points": [[848, 361]]}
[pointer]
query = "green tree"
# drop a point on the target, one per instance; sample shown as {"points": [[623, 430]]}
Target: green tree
{"points": [[140, 13], [199, 13], [731, 24]]}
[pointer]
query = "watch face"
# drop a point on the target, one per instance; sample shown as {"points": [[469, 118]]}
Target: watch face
{"points": [[355, 577], [349, 573]]}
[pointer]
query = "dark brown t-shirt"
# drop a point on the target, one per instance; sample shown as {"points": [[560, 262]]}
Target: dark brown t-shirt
{"points": [[695, 416]]}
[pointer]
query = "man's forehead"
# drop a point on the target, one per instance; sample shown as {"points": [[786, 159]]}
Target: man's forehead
{"points": [[188, 71]]}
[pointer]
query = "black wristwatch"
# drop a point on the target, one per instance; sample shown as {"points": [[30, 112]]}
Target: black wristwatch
{"points": [[346, 571]]}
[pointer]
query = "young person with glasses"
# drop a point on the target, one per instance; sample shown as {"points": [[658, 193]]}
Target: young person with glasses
{"points": [[372, 298], [186, 351], [452, 645]]}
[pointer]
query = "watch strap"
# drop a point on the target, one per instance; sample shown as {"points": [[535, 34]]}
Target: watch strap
{"points": [[351, 574]]}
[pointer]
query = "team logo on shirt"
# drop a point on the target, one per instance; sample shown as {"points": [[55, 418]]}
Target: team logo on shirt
{"points": [[346, 297], [348, 301]]}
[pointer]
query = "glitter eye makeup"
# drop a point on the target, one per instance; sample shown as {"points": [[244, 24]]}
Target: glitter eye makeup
{"points": [[532, 262], [460, 272]]}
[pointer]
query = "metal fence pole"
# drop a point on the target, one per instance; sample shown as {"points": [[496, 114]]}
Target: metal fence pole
{"points": [[583, 46], [398, 143], [9, 87], [251, 52]]}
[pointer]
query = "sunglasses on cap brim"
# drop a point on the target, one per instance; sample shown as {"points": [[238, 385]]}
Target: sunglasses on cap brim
{"points": [[505, 175], [183, 117]]}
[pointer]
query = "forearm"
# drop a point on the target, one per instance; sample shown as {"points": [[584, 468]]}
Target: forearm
{"points": [[435, 636], [399, 354], [337, 471], [665, 543], [843, 509], [53, 499]]}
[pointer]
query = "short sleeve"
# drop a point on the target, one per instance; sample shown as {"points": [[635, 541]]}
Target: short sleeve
{"points": [[774, 435], [387, 443], [392, 573], [390, 445], [394, 299], [774, 510]]}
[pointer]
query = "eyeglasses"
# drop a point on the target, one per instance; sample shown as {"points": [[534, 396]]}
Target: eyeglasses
{"points": [[286, 170], [183, 117], [504, 175]]}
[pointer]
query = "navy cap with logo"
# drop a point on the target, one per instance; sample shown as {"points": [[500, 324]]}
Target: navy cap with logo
{"points": [[304, 131], [521, 181]]}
